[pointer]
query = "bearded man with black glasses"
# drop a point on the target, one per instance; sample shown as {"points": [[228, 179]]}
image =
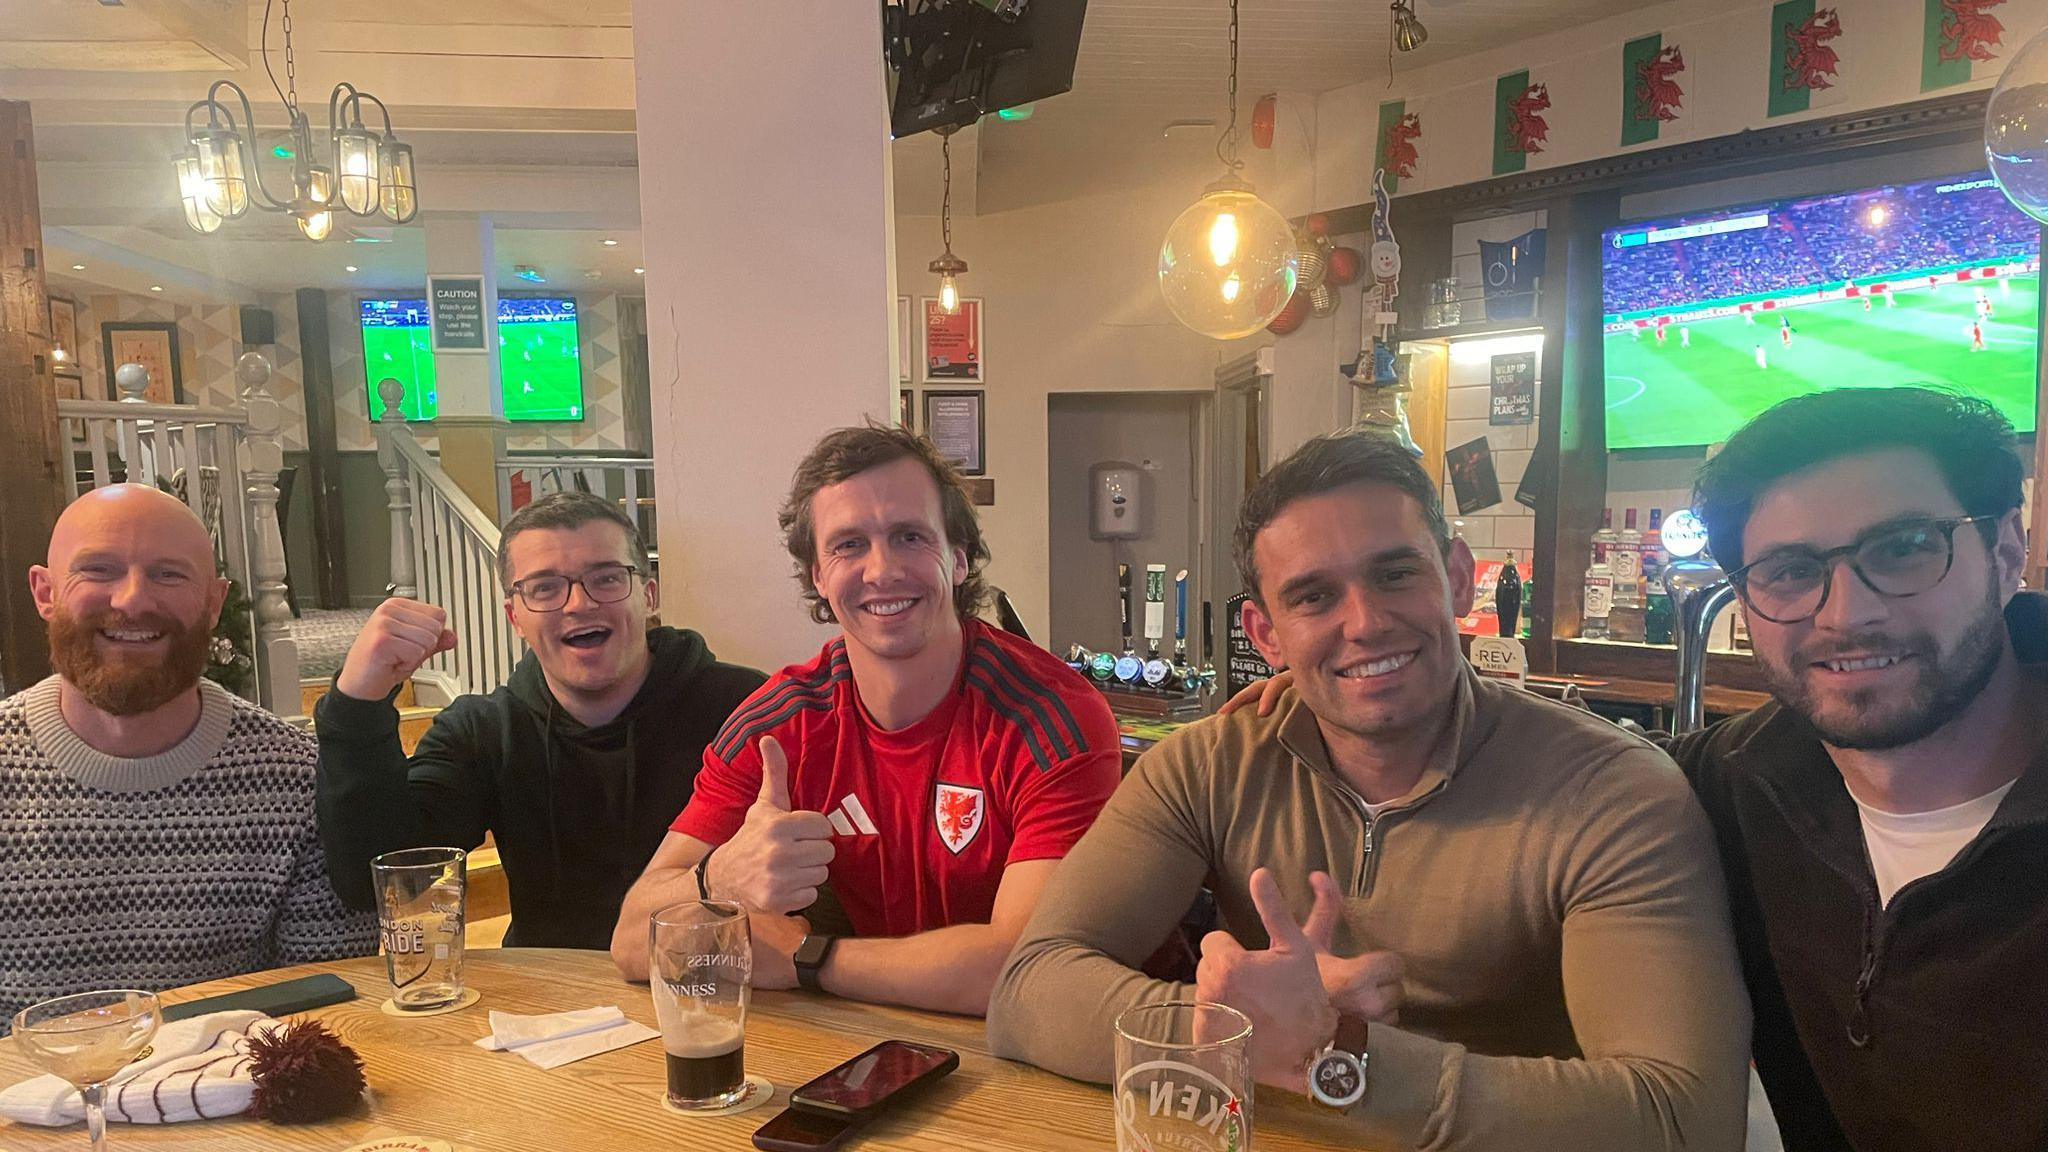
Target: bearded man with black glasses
{"points": [[575, 766], [1884, 823]]}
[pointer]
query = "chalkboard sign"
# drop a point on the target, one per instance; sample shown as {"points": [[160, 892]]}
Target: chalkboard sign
{"points": [[1243, 664], [457, 308], [1514, 389]]}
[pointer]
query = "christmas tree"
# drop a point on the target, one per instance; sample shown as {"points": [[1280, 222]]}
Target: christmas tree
{"points": [[232, 661]]}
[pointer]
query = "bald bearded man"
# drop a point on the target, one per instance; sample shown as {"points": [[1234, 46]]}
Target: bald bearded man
{"points": [[154, 830]]}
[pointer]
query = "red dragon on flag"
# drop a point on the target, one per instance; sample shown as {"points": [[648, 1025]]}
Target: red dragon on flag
{"points": [[1810, 63], [1399, 146], [1527, 130], [1658, 96], [1969, 31]]}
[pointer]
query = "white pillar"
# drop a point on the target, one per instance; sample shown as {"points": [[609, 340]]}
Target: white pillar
{"points": [[766, 218], [471, 424]]}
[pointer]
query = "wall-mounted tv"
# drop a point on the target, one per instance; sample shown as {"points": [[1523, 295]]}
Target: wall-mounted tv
{"points": [[540, 366], [1711, 319]]}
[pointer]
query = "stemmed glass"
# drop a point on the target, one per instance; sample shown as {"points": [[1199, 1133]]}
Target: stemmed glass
{"points": [[87, 1039]]}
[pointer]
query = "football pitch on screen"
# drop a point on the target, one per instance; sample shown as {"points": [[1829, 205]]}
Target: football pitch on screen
{"points": [[538, 369], [537, 363], [1672, 394]]}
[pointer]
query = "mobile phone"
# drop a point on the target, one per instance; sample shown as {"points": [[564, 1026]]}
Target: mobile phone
{"points": [[275, 1000], [875, 1079], [795, 1130]]}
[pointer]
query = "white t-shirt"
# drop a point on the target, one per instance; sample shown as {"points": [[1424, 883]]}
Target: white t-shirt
{"points": [[1906, 846]]}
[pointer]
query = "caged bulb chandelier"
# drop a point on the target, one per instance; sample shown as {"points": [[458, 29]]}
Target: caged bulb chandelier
{"points": [[366, 172], [1228, 264], [948, 266]]}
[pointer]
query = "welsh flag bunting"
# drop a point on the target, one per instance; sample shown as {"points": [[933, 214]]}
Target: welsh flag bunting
{"points": [[1957, 37], [1397, 148], [1651, 91], [1519, 128], [1805, 68]]}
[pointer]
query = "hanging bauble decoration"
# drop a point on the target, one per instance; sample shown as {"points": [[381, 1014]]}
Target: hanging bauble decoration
{"points": [[1291, 317], [1322, 300], [2016, 128], [1318, 224], [1313, 253], [1346, 266]]}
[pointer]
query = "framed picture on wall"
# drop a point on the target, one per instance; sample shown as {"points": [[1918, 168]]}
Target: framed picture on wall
{"points": [[906, 342], [906, 410], [152, 344], [64, 338], [957, 425], [952, 351]]}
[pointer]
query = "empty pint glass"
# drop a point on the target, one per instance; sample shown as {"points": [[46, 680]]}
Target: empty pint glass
{"points": [[422, 902], [700, 960], [1183, 1078]]}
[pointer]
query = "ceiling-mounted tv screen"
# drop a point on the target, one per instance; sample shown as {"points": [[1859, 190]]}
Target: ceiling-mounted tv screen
{"points": [[1711, 319], [540, 365]]}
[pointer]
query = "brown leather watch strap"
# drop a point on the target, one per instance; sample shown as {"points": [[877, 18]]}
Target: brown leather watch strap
{"points": [[1351, 1035]]}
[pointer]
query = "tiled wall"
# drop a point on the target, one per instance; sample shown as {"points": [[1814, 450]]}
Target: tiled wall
{"points": [[209, 343]]}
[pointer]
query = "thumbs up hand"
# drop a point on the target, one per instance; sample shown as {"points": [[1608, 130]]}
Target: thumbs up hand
{"points": [[778, 859], [1279, 989]]}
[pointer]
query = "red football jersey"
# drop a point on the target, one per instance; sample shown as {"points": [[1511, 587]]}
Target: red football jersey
{"points": [[1012, 766]]}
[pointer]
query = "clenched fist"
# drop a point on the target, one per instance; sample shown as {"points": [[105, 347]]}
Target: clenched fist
{"points": [[778, 859], [400, 636]]}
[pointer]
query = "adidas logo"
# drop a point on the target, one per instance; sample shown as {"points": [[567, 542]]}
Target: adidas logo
{"points": [[851, 819]]}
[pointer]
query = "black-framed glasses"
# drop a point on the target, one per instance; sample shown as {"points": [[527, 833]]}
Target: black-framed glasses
{"points": [[1791, 584], [604, 584]]}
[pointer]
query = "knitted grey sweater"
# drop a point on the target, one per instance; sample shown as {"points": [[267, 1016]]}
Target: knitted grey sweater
{"points": [[199, 863]]}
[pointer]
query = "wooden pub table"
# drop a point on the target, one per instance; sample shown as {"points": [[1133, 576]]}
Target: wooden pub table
{"points": [[428, 1079]]}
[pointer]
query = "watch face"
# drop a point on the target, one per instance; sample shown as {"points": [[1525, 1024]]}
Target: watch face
{"points": [[812, 950], [1337, 1079]]}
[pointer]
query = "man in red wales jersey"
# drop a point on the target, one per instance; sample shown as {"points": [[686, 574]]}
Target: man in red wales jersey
{"points": [[926, 769]]}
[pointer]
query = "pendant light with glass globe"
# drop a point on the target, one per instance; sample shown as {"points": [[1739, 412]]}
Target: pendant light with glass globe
{"points": [[1228, 264], [947, 266]]}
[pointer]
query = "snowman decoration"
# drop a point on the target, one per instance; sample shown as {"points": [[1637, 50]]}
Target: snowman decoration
{"points": [[1377, 371]]}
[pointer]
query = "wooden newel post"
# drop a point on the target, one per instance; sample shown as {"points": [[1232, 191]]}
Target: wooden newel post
{"points": [[397, 490], [33, 464], [277, 654]]}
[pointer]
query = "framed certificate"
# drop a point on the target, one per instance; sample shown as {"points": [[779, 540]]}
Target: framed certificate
{"points": [[956, 424], [152, 344]]}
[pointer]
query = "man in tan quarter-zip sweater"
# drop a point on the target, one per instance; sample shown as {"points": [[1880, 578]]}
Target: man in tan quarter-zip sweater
{"points": [[1566, 977]]}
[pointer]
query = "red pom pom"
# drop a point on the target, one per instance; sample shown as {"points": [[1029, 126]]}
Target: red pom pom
{"points": [[1291, 316], [1318, 224], [1346, 266]]}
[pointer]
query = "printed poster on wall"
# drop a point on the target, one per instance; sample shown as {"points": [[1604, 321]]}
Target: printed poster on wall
{"points": [[1514, 389], [952, 344]]}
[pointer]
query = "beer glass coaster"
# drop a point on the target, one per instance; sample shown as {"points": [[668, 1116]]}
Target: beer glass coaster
{"points": [[469, 996], [759, 1091], [404, 1144]]}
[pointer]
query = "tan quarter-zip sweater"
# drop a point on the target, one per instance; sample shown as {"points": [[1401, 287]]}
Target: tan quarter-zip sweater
{"points": [[1551, 883]]}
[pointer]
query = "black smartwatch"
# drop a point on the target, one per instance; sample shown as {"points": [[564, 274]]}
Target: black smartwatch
{"points": [[810, 958]]}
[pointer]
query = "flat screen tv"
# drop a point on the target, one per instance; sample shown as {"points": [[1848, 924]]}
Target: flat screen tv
{"points": [[1711, 319], [540, 366]]}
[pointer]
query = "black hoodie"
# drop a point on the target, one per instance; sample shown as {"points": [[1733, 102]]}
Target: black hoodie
{"points": [[576, 812]]}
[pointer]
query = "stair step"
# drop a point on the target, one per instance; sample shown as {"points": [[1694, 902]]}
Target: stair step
{"points": [[310, 692]]}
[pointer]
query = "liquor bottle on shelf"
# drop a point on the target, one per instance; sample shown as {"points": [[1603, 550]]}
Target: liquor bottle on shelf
{"points": [[1657, 608], [1529, 600], [1605, 539], [1599, 600], [1507, 597], [1625, 560]]}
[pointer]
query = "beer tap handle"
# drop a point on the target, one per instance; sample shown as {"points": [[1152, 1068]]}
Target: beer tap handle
{"points": [[1123, 602]]}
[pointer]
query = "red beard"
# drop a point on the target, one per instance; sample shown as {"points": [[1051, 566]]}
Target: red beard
{"points": [[125, 685]]}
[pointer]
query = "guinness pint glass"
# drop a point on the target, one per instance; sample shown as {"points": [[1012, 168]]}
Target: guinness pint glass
{"points": [[700, 957]]}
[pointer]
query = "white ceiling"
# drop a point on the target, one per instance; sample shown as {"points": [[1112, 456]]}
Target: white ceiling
{"points": [[523, 108]]}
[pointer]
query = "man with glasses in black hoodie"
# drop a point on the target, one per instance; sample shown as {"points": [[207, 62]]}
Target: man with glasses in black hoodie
{"points": [[561, 765]]}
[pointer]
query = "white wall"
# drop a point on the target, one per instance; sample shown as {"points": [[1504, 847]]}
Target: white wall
{"points": [[1072, 304]]}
